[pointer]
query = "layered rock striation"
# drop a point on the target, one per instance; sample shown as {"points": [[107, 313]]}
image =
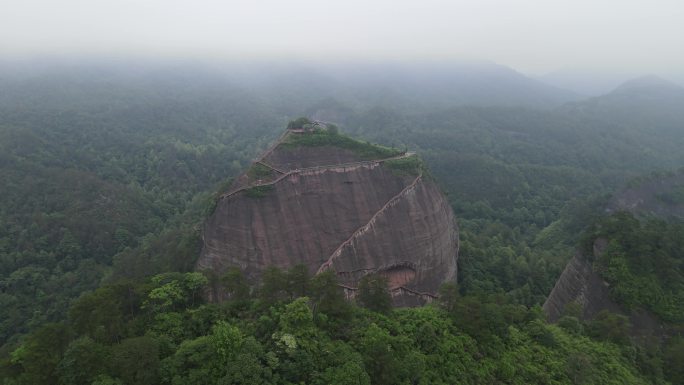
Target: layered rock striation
{"points": [[331, 203], [581, 284], [658, 196]]}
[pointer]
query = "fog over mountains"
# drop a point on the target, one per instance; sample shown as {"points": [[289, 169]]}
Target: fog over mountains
{"points": [[404, 85]]}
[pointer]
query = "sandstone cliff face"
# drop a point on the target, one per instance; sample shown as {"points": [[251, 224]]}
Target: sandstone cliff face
{"points": [[328, 208], [658, 196], [579, 283]]}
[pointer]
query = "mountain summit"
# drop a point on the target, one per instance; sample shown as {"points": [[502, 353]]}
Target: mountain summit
{"points": [[648, 83], [329, 202]]}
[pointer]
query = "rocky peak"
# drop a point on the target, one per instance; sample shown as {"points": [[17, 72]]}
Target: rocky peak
{"points": [[330, 202]]}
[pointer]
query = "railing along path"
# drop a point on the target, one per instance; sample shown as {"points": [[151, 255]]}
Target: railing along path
{"points": [[312, 168]]}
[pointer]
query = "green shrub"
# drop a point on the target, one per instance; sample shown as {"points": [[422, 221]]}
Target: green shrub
{"points": [[258, 191], [298, 123], [411, 165], [259, 171], [321, 137]]}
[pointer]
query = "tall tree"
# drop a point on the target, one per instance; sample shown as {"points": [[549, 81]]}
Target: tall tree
{"points": [[374, 293]]}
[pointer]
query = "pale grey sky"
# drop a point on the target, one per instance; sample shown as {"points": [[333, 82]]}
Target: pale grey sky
{"points": [[533, 36]]}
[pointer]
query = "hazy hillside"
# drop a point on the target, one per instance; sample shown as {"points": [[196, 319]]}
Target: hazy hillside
{"points": [[411, 87], [649, 103]]}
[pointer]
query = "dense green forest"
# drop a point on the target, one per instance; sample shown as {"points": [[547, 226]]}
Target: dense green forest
{"points": [[107, 176], [297, 329]]}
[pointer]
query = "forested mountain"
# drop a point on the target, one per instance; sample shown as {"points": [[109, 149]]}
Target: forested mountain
{"points": [[92, 163], [413, 87], [646, 104], [107, 173]]}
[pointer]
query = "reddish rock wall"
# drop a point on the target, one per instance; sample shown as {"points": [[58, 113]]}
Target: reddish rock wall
{"points": [[354, 219], [290, 158], [579, 283]]}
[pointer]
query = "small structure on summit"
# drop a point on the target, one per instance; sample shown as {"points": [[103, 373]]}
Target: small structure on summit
{"points": [[331, 202]]}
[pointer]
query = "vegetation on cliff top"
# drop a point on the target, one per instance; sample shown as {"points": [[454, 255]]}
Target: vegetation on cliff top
{"points": [[411, 165], [324, 137], [643, 263], [258, 191], [259, 171]]}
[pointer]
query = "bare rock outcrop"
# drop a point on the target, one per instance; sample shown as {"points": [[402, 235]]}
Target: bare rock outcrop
{"points": [[333, 208], [658, 196], [580, 284]]}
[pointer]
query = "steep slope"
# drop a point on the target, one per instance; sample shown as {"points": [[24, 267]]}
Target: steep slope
{"points": [[635, 265], [330, 202], [581, 284], [649, 103], [659, 196]]}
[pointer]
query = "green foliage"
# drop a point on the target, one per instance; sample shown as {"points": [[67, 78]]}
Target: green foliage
{"points": [[175, 249], [318, 138], [258, 171], [411, 166], [83, 362], [40, 354], [332, 129], [273, 285], [673, 197], [298, 281], [100, 314], [235, 283], [107, 170], [258, 191], [673, 357], [387, 358], [136, 360], [374, 293], [172, 290], [643, 263], [328, 297], [610, 327], [298, 123], [297, 318], [449, 297], [469, 340]]}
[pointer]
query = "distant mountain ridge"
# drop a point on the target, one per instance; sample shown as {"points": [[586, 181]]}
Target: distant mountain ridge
{"points": [[648, 83], [594, 83], [406, 85], [335, 94], [637, 103]]}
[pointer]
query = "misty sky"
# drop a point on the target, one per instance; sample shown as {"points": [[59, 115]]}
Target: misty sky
{"points": [[531, 36]]}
